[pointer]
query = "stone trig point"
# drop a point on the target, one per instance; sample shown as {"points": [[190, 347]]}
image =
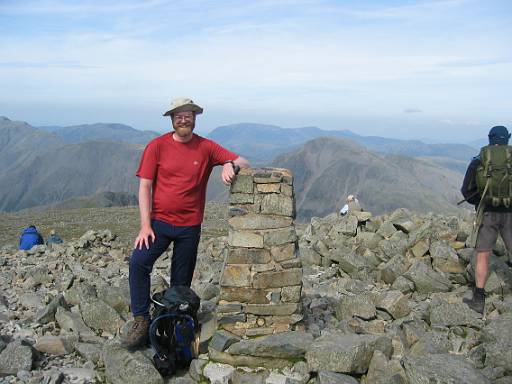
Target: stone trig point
{"points": [[262, 277]]}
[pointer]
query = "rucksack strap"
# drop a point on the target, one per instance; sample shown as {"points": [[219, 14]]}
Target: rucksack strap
{"points": [[159, 352]]}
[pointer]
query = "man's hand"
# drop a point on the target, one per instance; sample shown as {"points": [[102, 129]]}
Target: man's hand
{"points": [[228, 173], [145, 234]]}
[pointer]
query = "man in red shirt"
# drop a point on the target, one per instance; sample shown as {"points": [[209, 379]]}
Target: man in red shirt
{"points": [[173, 171]]}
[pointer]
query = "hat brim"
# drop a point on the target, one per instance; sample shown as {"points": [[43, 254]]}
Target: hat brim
{"points": [[185, 108]]}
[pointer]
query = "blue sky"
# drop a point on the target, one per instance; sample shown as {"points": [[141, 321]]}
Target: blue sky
{"points": [[438, 70]]}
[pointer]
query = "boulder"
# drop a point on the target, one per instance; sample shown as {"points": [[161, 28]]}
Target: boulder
{"points": [[426, 280], [218, 373], [442, 369], [361, 306], [17, 356], [326, 377], [281, 345], [345, 353], [443, 313], [394, 303], [124, 367], [100, 316]]}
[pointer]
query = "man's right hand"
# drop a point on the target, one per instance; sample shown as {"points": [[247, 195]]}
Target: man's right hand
{"points": [[143, 238]]}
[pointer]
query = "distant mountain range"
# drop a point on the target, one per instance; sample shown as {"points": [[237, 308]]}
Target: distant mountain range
{"points": [[101, 131], [94, 164], [327, 170], [261, 143]]}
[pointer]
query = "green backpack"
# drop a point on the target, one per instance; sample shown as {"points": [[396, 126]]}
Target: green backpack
{"points": [[494, 175]]}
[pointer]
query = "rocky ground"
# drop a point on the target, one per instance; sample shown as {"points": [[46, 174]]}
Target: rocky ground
{"points": [[381, 298]]}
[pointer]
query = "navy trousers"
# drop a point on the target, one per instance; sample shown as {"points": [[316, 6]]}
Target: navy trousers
{"points": [[183, 262]]}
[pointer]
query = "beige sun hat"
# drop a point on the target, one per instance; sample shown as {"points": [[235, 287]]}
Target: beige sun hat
{"points": [[183, 104]]}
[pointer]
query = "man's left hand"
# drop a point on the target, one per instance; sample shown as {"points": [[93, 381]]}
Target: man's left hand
{"points": [[228, 173]]}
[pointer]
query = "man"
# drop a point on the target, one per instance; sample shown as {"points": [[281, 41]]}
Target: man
{"points": [[174, 170], [494, 212]]}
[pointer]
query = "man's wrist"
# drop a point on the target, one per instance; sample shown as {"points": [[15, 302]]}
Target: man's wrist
{"points": [[236, 168]]}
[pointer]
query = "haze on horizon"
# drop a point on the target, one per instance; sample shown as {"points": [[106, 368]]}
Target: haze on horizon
{"points": [[436, 70]]}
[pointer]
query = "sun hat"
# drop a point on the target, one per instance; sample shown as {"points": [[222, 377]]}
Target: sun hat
{"points": [[183, 104]]}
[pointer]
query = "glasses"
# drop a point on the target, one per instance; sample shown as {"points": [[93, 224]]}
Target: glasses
{"points": [[183, 118]]}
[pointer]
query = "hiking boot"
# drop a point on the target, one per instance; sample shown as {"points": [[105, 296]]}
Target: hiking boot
{"points": [[477, 302], [137, 334]]}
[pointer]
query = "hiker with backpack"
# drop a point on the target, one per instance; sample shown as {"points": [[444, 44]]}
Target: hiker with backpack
{"points": [[29, 238], [173, 171], [488, 185]]}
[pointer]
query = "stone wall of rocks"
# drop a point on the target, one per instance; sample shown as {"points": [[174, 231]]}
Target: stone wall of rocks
{"points": [[262, 277]]}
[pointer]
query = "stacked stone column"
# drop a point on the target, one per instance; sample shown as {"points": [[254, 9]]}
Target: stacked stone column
{"points": [[262, 277]]}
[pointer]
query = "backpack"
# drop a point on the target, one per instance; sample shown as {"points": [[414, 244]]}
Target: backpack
{"points": [[172, 332], [494, 175], [30, 237]]}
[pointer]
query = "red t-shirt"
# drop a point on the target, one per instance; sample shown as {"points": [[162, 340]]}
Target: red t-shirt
{"points": [[180, 172]]}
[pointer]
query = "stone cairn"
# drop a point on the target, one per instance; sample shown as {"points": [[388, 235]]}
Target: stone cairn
{"points": [[262, 276]]}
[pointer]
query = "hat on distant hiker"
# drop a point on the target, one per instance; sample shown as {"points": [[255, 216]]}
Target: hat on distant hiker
{"points": [[499, 135], [183, 104]]}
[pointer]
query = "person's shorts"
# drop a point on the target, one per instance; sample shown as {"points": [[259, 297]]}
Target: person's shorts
{"points": [[495, 223]]}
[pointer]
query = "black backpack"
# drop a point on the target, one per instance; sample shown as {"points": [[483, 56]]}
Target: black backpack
{"points": [[173, 328]]}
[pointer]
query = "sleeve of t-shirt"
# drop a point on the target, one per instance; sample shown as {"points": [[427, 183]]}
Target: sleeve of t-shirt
{"points": [[219, 155], [148, 162]]}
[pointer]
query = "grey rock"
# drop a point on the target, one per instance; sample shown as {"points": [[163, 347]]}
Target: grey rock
{"points": [[100, 316], [281, 236], [47, 314], [394, 303], [31, 300], [72, 322], [56, 345], [431, 342], [403, 285], [346, 226], [326, 377], [124, 367], [254, 221], [357, 305], [426, 280], [196, 369], [442, 369], [222, 340], [114, 296], [384, 371], [278, 279], [497, 341], [242, 184], [281, 345], [393, 268], [80, 292], [218, 373], [274, 204], [444, 258], [443, 313], [250, 377], [386, 230], [15, 357], [345, 353], [348, 260], [91, 352]]}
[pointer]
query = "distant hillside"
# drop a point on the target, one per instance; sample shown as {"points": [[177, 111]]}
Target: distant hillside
{"points": [[70, 171], [261, 143], [21, 143], [42, 169], [327, 170], [102, 131], [98, 200]]}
